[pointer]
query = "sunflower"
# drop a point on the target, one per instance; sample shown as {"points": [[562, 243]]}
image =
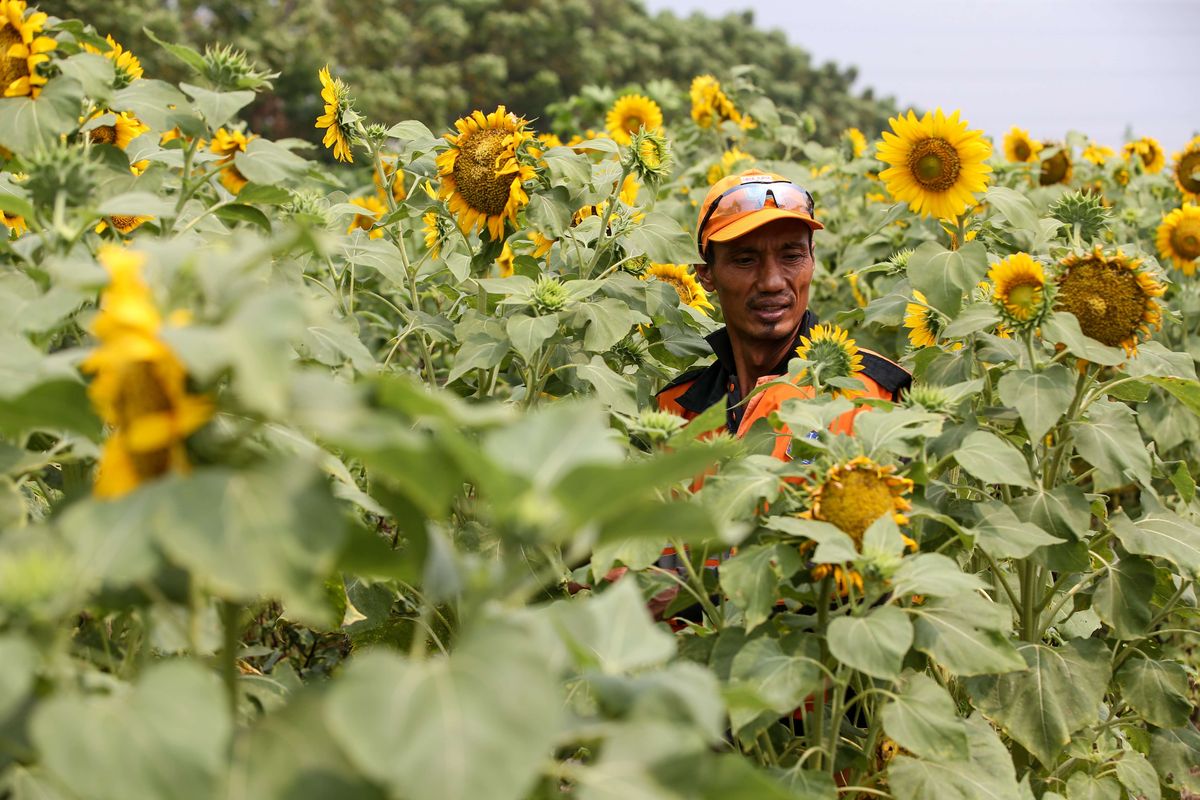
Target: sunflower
{"points": [[711, 106], [228, 144], [1055, 168], [1187, 170], [858, 142], [1148, 151], [1019, 289], [139, 388], [937, 165], [833, 355], [480, 173], [123, 223], [506, 260], [375, 209], [855, 494], [690, 291], [124, 128], [1113, 298], [732, 160], [338, 104], [1019, 148], [630, 114], [650, 155], [1097, 153], [437, 231], [15, 223], [1179, 238], [126, 66], [393, 176], [22, 49], [922, 321]]}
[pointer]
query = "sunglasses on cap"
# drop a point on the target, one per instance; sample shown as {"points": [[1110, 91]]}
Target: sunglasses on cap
{"points": [[752, 195]]}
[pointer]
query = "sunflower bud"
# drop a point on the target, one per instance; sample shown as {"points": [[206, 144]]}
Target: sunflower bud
{"points": [[649, 156], [549, 295], [61, 170], [928, 396], [636, 265], [228, 70], [1081, 211], [308, 205], [655, 427], [630, 352], [899, 261]]}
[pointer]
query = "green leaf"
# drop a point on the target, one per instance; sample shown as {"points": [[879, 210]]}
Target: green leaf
{"points": [[923, 718], [1014, 206], [20, 660], [608, 321], [136, 203], [154, 102], [487, 717], [241, 212], [1063, 328], [895, 430], [264, 161], [986, 774], [1137, 775], [546, 445], [27, 125], [972, 319], [1058, 695], [660, 238], [1185, 391], [781, 673], [410, 130], [615, 391], [1110, 442], [965, 635], [993, 460], [875, 643], [740, 489], [1155, 361], [94, 73], [528, 334], [833, 545], [181, 51], [54, 405], [1082, 786], [1122, 596], [1002, 534], [264, 195], [1175, 754], [217, 108], [1158, 690], [612, 632], [752, 577], [1041, 398], [1064, 512], [1162, 534], [550, 211], [167, 737], [932, 574], [566, 167], [943, 275]]}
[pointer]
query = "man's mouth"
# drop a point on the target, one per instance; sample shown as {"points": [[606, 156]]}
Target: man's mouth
{"points": [[770, 312]]}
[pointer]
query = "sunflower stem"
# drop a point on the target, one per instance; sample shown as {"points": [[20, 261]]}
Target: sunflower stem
{"points": [[609, 205]]}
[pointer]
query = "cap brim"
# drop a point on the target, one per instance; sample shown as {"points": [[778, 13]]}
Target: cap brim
{"points": [[756, 219]]}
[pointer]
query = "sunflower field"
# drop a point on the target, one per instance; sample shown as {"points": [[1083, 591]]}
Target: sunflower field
{"points": [[343, 477]]}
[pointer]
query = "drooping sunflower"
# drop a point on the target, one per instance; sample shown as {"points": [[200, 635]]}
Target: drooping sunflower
{"points": [[833, 355], [1056, 167], [481, 174], [1113, 297], [126, 66], [1019, 289], [690, 291], [732, 160], [936, 163], [123, 223], [336, 95], [1019, 148], [922, 321], [506, 260], [858, 142], [139, 386], [1148, 151], [124, 128], [1097, 153], [228, 143], [1187, 170], [375, 209], [22, 49], [1178, 238], [855, 494], [437, 231], [630, 114]]}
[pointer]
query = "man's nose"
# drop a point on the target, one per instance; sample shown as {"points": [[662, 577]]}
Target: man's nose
{"points": [[771, 278]]}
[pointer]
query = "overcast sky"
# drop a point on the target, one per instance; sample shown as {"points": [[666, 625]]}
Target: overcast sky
{"points": [[1097, 66]]}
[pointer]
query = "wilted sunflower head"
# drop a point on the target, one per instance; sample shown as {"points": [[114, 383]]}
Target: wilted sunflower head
{"points": [[690, 292], [1113, 297], [936, 163], [1178, 238], [22, 49], [630, 114], [1187, 170], [1147, 152], [924, 323], [649, 156], [853, 495], [1056, 167], [1019, 148], [338, 117], [1019, 290], [481, 174], [832, 354]]}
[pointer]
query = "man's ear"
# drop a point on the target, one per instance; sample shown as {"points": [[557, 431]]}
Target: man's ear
{"points": [[704, 273]]}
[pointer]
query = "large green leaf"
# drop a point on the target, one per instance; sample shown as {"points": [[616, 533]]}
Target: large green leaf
{"points": [[1064, 512], [1110, 442], [1122, 596], [752, 577], [965, 635], [922, 718], [20, 661], [986, 774], [1136, 774], [528, 334], [875, 643], [1041, 398], [1063, 328], [1083, 786], [933, 574], [1162, 534], [27, 125], [608, 321], [1056, 696], [614, 390], [217, 108], [479, 723], [661, 239], [265, 161], [993, 460], [1175, 754], [612, 632], [895, 430], [168, 736], [1001, 534], [1158, 690], [781, 673], [943, 275], [1015, 207], [545, 446]]}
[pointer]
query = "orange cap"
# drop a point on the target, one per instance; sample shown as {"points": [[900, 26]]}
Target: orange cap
{"points": [[738, 219]]}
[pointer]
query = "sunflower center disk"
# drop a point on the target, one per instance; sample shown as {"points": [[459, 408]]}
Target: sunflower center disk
{"points": [[1189, 172], [854, 500], [1054, 169], [1023, 300], [105, 134], [11, 68], [1022, 151], [1107, 301], [935, 164], [1185, 239], [475, 172]]}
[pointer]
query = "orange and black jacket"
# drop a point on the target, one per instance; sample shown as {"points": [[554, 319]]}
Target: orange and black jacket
{"points": [[697, 390]]}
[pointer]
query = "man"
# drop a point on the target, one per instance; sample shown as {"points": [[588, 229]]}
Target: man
{"points": [[755, 237]]}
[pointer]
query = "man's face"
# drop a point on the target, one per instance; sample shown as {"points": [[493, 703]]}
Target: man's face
{"points": [[762, 280]]}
